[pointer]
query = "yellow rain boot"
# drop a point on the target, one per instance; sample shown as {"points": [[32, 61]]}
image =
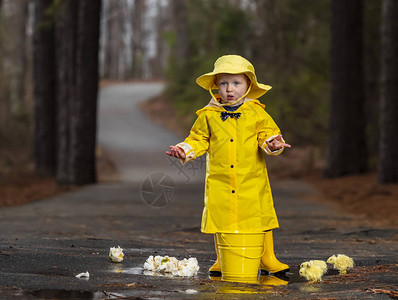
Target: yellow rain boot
{"points": [[215, 269], [269, 264]]}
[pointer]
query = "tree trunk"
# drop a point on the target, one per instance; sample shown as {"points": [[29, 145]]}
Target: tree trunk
{"points": [[77, 84], [3, 111], [107, 40], [138, 12], [388, 164], [180, 22], [113, 40], [66, 30], [162, 49], [21, 43], [15, 55], [84, 116], [347, 144], [44, 90]]}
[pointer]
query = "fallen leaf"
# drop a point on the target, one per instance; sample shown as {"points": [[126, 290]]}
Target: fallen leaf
{"points": [[392, 294], [132, 284]]}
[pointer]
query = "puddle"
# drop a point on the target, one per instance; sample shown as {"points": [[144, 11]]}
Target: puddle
{"points": [[280, 280], [139, 250], [130, 271], [153, 251], [267, 283], [139, 271], [142, 271], [293, 275], [191, 291], [133, 271], [288, 278], [63, 294], [188, 291]]}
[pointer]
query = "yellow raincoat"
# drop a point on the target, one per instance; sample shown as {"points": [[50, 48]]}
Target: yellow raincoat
{"points": [[237, 192], [238, 196]]}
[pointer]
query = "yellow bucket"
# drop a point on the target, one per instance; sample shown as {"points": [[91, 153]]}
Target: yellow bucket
{"points": [[240, 255]]}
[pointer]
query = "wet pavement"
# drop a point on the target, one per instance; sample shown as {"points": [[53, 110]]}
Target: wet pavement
{"points": [[44, 245]]}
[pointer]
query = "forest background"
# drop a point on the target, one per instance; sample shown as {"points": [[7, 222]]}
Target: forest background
{"points": [[288, 41]]}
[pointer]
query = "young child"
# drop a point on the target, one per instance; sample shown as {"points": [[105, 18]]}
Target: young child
{"points": [[234, 129]]}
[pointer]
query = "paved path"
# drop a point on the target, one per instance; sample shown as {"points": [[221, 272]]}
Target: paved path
{"points": [[43, 245], [135, 144]]}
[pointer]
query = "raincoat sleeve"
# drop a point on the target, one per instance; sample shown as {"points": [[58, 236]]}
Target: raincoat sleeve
{"points": [[267, 130], [197, 143]]}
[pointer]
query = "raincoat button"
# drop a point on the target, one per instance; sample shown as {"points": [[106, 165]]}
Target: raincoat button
{"points": [[233, 191], [231, 140], [232, 166]]}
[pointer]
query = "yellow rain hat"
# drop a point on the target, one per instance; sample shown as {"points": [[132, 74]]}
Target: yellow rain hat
{"points": [[233, 64]]}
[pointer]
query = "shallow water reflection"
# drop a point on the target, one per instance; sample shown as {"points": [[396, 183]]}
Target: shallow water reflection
{"points": [[266, 282]]}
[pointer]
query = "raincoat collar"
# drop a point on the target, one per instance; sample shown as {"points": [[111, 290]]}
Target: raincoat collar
{"points": [[215, 104]]}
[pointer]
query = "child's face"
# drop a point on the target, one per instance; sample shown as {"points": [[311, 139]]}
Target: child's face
{"points": [[232, 86]]}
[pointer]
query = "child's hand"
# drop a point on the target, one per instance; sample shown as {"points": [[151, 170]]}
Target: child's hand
{"points": [[277, 143], [176, 152]]}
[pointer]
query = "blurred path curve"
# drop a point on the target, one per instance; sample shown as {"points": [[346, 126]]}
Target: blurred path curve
{"points": [[133, 142]]}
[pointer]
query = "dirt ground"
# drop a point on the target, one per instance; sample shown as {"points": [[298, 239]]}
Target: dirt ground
{"points": [[360, 194]]}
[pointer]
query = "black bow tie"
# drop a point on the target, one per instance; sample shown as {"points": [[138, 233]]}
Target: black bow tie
{"points": [[225, 115]]}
